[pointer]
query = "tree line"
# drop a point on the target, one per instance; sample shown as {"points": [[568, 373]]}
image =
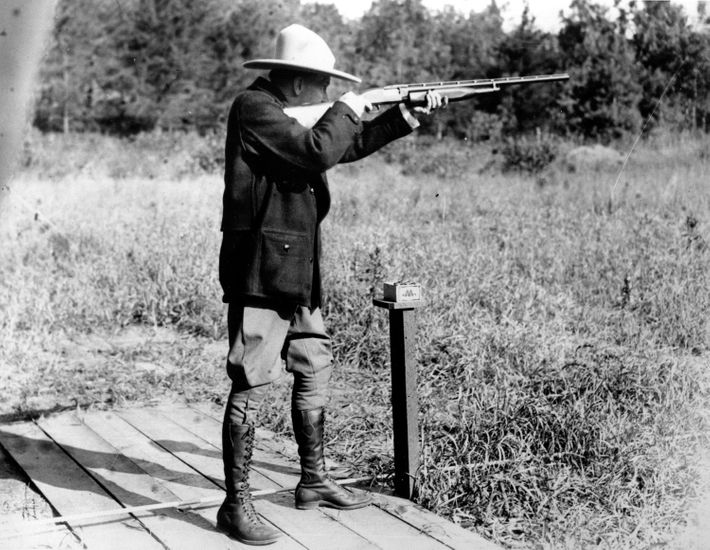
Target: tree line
{"points": [[127, 66]]}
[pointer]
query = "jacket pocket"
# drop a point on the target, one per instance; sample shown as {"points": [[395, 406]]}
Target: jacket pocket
{"points": [[287, 264], [235, 257]]}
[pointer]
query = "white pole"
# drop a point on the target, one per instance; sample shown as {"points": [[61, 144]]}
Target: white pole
{"points": [[24, 27]]}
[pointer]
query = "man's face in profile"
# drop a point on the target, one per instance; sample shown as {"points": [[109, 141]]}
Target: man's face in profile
{"points": [[315, 88]]}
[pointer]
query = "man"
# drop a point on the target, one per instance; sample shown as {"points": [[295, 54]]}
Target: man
{"points": [[276, 195]]}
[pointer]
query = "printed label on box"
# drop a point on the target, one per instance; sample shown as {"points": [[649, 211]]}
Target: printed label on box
{"points": [[402, 292]]}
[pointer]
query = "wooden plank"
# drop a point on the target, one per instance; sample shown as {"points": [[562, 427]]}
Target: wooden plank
{"points": [[129, 484], [188, 447], [208, 428], [182, 480], [384, 530], [312, 528], [391, 523], [208, 424], [17, 536], [20, 504], [446, 532], [70, 489]]}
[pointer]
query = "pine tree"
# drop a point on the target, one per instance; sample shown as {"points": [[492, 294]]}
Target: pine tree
{"points": [[397, 43], [473, 42], [74, 61], [675, 70], [602, 98], [527, 51]]}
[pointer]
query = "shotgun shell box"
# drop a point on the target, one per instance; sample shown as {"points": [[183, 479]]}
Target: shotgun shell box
{"points": [[402, 292]]}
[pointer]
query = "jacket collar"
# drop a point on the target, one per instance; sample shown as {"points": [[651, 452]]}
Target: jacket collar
{"points": [[267, 86]]}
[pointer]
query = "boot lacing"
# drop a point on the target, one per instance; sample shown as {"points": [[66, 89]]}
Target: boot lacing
{"points": [[243, 493]]}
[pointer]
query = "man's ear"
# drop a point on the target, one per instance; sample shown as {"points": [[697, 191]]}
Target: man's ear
{"points": [[297, 85]]}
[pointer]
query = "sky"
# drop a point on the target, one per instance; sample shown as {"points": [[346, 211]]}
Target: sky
{"points": [[546, 12]]}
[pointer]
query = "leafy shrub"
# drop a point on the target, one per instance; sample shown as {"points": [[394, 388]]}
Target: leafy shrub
{"points": [[529, 155], [447, 158]]}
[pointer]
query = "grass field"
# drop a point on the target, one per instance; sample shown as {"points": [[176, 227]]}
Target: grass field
{"points": [[562, 353]]}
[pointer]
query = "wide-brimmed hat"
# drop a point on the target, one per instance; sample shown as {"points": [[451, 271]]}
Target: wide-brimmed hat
{"points": [[300, 49]]}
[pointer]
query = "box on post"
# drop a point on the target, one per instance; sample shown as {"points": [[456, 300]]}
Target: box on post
{"points": [[398, 291]]}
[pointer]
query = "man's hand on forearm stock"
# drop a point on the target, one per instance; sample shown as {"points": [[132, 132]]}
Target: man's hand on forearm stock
{"points": [[434, 102]]}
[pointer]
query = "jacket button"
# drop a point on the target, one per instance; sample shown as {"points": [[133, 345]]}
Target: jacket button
{"points": [[287, 246], [310, 260], [311, 190]]}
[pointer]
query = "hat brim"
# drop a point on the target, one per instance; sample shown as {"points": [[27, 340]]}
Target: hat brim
{"points": [[268, 64]]}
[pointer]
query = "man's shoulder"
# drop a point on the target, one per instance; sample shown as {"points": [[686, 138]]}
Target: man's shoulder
{"points": [[258, 93], [252, 95], [251, 102]]}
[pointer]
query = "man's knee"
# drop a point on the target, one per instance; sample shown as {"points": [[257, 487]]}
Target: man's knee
{"points": [[310, 391], [308, 355], [243, 403]]}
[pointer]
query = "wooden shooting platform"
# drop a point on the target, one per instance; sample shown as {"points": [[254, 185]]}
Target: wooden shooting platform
{"points": [[95, 461]]}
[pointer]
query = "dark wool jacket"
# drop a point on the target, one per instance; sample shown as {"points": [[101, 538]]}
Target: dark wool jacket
{"points": [[276, 193]]}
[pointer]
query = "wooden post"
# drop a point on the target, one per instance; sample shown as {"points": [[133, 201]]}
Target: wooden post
{"points": [[404, 393]]}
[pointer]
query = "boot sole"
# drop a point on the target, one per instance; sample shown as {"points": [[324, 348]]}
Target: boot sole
{"points": [[250, 542], [326, 504]]}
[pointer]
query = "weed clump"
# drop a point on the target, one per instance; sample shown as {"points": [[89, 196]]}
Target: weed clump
{"points": [[529, 155], [441, 159]]}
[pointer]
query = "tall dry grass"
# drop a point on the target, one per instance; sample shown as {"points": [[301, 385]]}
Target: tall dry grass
{"points": [[562, 353]]}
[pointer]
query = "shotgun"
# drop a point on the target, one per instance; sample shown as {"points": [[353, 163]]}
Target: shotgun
{"points": [[415, 94]]}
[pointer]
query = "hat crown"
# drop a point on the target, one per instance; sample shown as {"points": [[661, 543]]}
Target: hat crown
{"points": [[300, 49], [297, 44]]}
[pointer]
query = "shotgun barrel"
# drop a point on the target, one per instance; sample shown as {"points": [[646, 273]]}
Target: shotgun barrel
{"points": [[415, 94]]}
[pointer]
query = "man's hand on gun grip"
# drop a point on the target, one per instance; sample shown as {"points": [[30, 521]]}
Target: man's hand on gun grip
{"points": [[357, 103], [434, 102]]}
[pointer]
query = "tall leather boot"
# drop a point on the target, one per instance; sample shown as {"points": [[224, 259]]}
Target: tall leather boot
{"points": [[315, 487], [237, 516]]}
